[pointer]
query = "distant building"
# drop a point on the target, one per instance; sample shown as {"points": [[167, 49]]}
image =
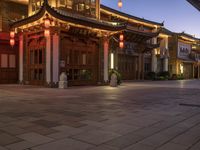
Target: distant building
{"points": [[184, 55]]}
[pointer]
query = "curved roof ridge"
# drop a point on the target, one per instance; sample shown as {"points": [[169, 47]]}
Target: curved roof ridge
{"points": [[131, 16]]}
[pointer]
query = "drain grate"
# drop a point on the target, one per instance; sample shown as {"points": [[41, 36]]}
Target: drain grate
{"points": [[189, 105]]}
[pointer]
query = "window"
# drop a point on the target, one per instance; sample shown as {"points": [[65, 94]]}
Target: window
{"points": [[36, 4], [12, 61], [87, 7], [4, 61]]}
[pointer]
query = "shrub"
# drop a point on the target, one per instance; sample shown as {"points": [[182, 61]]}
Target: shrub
{"points": [[150, 75]]}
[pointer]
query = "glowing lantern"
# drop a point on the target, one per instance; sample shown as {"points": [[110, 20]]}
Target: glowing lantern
{"points": [[120, 4], [47, 23], [121, 44], [12, 34], [46, 32], [12, 42], [121, 37]]}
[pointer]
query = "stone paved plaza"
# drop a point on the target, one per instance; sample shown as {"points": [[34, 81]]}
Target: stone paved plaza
{"points": [[159, 115]]}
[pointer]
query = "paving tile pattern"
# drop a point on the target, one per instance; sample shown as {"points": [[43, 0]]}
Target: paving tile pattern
{"points": [[134, 116]]}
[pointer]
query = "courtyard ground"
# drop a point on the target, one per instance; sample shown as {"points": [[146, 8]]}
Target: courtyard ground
{"points": [[160, 115]]}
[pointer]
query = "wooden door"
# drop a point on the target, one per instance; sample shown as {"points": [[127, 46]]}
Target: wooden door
{"points": [[36, 65], [81, 62]]}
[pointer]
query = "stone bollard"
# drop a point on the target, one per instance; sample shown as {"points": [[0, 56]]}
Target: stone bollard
{"points": [[63, 84], [113, 81]]}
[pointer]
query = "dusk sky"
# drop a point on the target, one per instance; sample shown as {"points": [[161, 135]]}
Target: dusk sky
{"points": [[178, 15]]}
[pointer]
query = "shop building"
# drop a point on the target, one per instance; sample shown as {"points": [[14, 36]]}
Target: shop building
{"points": [[184, 55]]}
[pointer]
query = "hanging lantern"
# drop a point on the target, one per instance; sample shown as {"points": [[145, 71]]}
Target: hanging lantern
{"points": [[46, 32], [47, 23], [121, 37], [121, 44], [120, 4], [12, 42], [12, 34]]}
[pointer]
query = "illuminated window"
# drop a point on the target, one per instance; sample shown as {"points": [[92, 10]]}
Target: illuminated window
{"points": [[36, 5]]}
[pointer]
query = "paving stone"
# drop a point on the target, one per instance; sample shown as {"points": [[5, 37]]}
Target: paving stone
{"points": [[6, 139], [20, 145], [35, 138], [196, 146], [172, 146], [46, 123], [139, 147], [2, 148], [13, 130], [96, 136], [124, 141], [40, 129], [104, 147], [120, 128], [63, 145]]}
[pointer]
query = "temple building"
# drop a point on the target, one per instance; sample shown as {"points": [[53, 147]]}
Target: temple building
{"points": [[184, 55], [83, 39]]}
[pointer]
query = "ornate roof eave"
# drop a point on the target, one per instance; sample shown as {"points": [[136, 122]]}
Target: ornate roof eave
{"points": [[46, 8], [195, 3], [143, 33], [142, 20], [187, 36]]}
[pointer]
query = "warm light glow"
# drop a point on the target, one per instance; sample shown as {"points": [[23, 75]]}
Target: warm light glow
{"points": [[112, 61], [121, 37], [12, 42], [181, 68], [12, 34], [47, 23], [121, 44], [46, 32], [120, 4]]}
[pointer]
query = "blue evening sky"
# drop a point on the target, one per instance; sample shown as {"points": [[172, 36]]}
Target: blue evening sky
{"points": [[178, 15]]}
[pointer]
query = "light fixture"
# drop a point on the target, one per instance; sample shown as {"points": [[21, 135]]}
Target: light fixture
{"points": [[121, 37], [121, 44], [12, 34], [12, 42], [46, 32], [120, 4], [112, 61], [47, 23]]}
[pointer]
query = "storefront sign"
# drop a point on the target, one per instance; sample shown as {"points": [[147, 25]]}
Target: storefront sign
{"points": [[184, 50]]}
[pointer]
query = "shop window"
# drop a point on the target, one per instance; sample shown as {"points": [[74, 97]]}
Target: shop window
{"points": [[12, 61], [4, 61]]}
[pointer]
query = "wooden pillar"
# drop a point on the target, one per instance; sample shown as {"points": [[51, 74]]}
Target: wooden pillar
{"points": [[106, 54], [55, 59], [139, 67], [48, 60], [142, 65], [21, 58]]}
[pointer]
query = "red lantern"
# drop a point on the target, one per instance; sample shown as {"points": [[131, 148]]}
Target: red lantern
{"points": [[12, 34], [47, 23], [121, 44], [46, 32], [120, 4], [12, 42], [121, 37]]}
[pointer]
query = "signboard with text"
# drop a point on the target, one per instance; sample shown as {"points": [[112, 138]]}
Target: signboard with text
{"points": [[184, 50]]}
